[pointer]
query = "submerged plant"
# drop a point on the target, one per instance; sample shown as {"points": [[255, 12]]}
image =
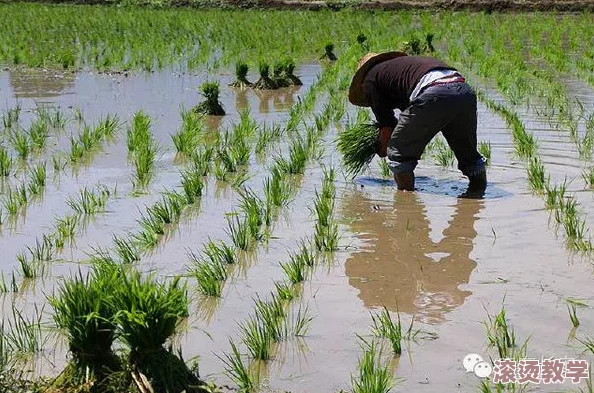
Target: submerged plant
{"points": [[241, 70], [211, 105]]}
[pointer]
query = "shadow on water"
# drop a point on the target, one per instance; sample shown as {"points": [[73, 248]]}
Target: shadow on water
{"points": [[399, 266], [428, 185]]}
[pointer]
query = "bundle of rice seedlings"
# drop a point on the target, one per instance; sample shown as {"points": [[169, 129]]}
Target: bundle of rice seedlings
{"points": [[149, 314], [84, 313], [211, 106], [241, 70], [289, 69], [329, 52], [278, 76], [265, 83], [358, 145]]}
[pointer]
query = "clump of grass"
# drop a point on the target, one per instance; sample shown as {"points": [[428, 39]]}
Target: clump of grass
{"points": [[201, 161], [23, 335], [285, 291], [264, 83], [588, 176], [326, 237], [37, 179], [257, 338], [295, 269], [253, 209], [357, 144], [11, 118], [266, 136], [385, 327], [288, 67], [210, 273], [149, 314], [240, 233], [329, 52], [484, 149], [90, 202], [298, 155], [443, 154], [38, 133], [555, 195], [241, 71], [5, 162], [65, 230], [373, 376], [142, 150], [326, 229], [277, 189], [211, 105], [500, 335], [126, 249], [193, 185], [21, 143], [278, 76], [85, 314]]}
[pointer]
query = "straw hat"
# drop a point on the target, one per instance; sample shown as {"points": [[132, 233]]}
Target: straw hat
{"points": [[356, 94]]}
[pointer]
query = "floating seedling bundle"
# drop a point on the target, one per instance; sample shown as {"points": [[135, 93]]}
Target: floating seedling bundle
{"points": [[211, 106], [358, 145], [241, 70]]}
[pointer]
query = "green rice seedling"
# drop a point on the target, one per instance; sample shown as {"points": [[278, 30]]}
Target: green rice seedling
{"points": [[240, 152], [246, 128], [167, 211], [11, 118], [90, 202], [187, 139], [484, 148], [301, 322], [278, 76], [126, 249], [295, 269], [239, 179], [326, 237], [38, 133], [252, 207], [297, 161], [500, 335], [107, 127], [257, 338], [358, 145], [385, 327], [266, 136], [536, 174], [193, 185], [264, 83], [65, 230], [240, 233], [38, 175], [57, 119], [588, 176], [323, 208], [574, 226], [236, 370], [144, 166], [306, 253], [443, 154], [572, 309], [201, 160], [385, 168], [149, 313], [43, 251], [24, 334], [211, 105], [210, 274], [555, 195], [21, 143], [6, 288], [272, 315], [221, 172], [11, 203], [29, 269], [228, 160], [219, 252], [58, 164], [89, 138], [84, 313], [77, 151], [285, 291], [329, 52], [138, 134], [277, 189], [372, 376], [79, 116], [5, 162], [289, 70], [241, 71]]}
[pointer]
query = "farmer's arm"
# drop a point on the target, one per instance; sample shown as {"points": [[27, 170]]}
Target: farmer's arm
{"points": [[384, 115]]}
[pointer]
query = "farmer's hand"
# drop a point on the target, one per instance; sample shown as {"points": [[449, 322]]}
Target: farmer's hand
{"points": [[384, 137]]}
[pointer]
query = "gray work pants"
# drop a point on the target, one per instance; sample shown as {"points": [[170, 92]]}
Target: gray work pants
{"points": [[449, 108]]}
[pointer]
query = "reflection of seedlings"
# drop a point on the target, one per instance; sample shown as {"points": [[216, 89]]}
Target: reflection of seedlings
{"points": [[241, 71], [301, 322], [236, 370], [484, 149], [264, 83], [58, 164], [211, 105], [373, 376], [329, 52], [5, 162]]}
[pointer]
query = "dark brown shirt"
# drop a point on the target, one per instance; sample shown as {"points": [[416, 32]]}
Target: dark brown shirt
{"points": [[388, 85]]}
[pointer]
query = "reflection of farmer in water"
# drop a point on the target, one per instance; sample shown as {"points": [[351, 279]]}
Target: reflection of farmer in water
{"points": [[432, 97], [399, 266]]}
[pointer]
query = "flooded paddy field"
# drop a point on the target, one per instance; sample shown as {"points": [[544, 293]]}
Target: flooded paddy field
{"points": [[263, 190]]}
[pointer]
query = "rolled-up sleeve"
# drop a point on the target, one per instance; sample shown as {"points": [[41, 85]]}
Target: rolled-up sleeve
{"points": [[384, 113]]}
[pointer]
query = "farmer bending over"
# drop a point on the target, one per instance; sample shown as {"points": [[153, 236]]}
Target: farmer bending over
{"points": [[432, 97]]}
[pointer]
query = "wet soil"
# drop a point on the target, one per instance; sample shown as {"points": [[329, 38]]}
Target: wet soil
{"points": [[444, 261]]}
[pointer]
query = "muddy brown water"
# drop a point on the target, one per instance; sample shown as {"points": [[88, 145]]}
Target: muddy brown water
{"points": [[445, 261]]}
